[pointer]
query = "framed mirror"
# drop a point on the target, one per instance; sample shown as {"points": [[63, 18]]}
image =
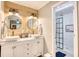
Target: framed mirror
{"points": [[13, 22], [31, 23]]}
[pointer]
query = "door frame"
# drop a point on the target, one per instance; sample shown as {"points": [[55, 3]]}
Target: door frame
{"points": [[75, 19]]}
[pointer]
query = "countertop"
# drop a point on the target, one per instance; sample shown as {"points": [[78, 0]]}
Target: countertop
{"points": [[17, 40]]}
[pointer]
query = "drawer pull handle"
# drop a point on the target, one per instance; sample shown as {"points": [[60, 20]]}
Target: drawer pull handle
{"points": [[38, 42], [27, 48], [13, 47], [27, 53], [28, 44]]}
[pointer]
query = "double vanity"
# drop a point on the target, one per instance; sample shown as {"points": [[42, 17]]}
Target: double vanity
{"points": [[22, 47], [26, 45]]}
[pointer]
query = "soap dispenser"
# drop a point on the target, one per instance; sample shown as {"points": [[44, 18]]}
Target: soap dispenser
{"points": [[40, 29]]}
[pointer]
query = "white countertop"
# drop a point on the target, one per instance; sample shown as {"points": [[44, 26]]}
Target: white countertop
{"points": [[14, 40]]}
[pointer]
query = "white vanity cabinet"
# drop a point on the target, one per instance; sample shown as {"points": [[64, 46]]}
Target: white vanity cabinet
{"points": [[6, 51], [34, 48], [18, 50], [12, 50], [27, 48], [39, 48]]}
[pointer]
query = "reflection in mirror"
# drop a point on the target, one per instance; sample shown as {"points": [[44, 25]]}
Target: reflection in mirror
{"points": [[31, 23], [13, 22], [35, 26]]}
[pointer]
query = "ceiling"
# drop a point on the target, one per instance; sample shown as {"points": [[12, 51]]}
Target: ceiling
{"points": [[32, 4]]}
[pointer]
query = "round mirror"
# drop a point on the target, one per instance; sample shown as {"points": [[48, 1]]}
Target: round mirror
{"points": [[13, 22], [31, 23]]}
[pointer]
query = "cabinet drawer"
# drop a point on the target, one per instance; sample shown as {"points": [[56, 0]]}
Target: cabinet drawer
{"points": [[40, 42], [28, 45], [28, 54]]}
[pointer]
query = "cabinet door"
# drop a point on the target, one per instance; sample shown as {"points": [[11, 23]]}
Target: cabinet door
{"points": [[28, 49], [18, 51], [37, 48], [6, 51], [34, 50]]}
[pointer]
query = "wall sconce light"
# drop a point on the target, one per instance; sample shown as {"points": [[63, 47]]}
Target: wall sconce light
{"points": [[14, 12], [33, 16]]}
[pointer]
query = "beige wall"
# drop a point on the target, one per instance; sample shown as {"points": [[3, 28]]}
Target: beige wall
{"points": [[45, 17], [1, 18], [24, 12], [78, 25]]}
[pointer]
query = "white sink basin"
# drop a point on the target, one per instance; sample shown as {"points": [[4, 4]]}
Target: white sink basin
{"points": [[17, 38], [24, 39], [11, 39]]}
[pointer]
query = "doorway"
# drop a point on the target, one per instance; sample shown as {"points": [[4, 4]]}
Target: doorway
{"points": [[63, 22]]}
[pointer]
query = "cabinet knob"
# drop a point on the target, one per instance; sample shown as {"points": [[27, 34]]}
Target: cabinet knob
{"points": [[38, 42], [27, 53], [13, 47], [28, 44], [27, 48]]}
